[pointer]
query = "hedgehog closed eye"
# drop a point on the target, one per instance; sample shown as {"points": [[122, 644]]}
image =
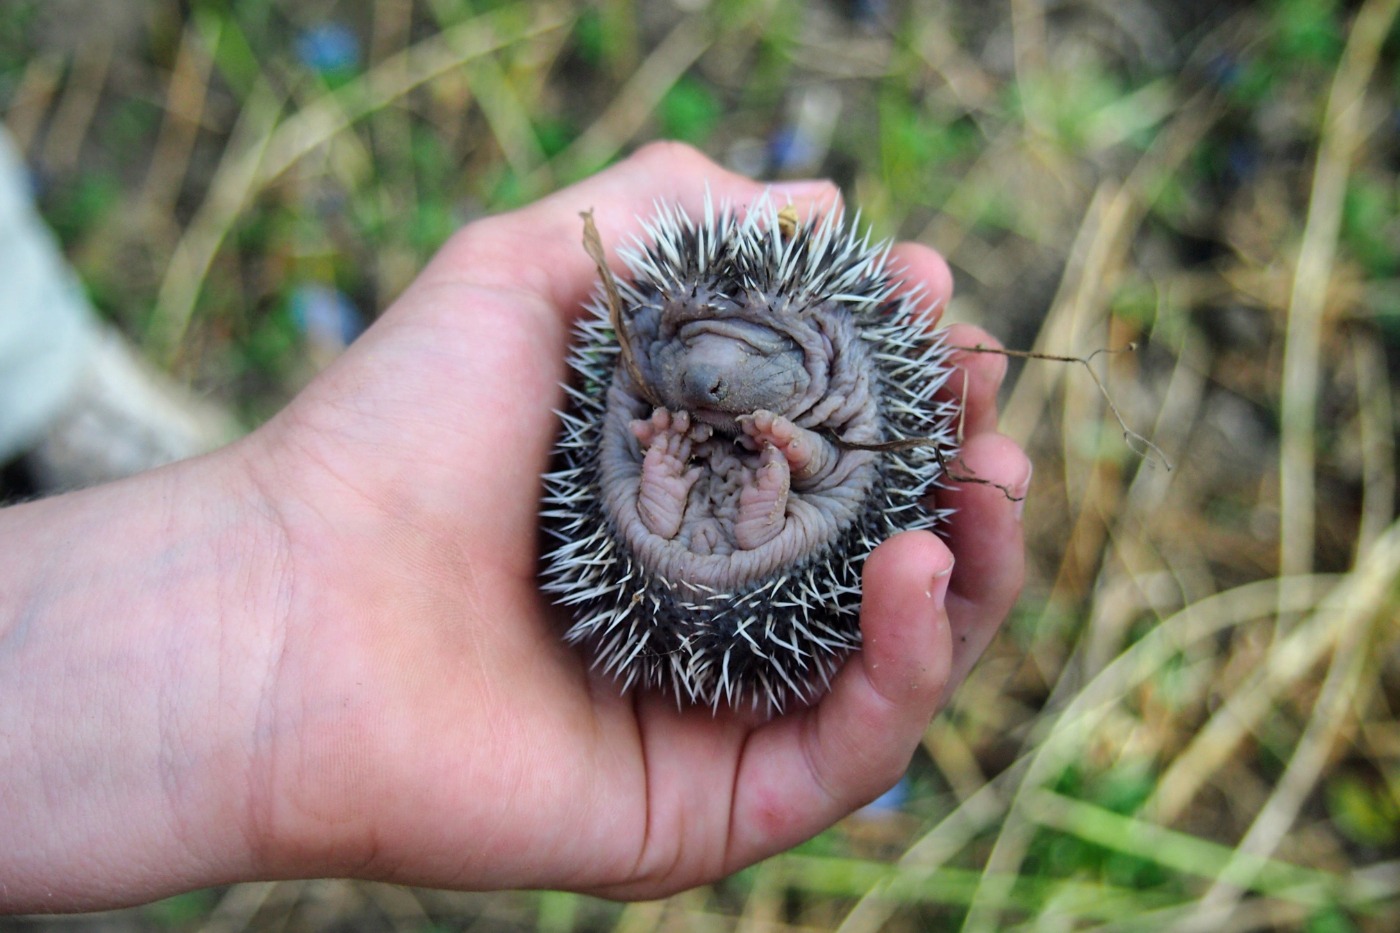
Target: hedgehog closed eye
{"points": [[710, 507]]}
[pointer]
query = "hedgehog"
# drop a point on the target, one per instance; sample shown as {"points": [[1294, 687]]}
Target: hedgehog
{"points": [[754, 407]]}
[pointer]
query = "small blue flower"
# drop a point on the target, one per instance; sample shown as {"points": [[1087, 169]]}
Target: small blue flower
{"points": [[1225, 71], [328, 47], [869, 14], [1242, 160], [891, 801], [790, 149], [326, 316]]}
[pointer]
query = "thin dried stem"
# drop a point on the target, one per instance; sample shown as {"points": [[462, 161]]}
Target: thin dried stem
{"points": [[1139, 444], [593, 245]]}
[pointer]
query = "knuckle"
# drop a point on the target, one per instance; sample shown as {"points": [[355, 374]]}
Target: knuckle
{"points": [[674, 154]]}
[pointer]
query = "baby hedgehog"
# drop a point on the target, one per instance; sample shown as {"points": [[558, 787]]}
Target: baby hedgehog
{"points": [[733, 452]]}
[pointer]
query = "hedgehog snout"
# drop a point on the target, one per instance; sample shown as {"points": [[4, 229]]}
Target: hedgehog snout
{"points": [[705, 385], [719, 379], [729, 368]]}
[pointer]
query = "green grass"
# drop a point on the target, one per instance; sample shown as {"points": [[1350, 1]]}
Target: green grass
{"points": [[1175, 725]]}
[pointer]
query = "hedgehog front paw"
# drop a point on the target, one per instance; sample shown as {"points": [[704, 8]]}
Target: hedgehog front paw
{"points": [[665, 482], [763, 502], [809, 456]]}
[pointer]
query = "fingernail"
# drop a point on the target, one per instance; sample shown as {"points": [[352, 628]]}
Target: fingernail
{"points": [[1019, 491], [938, 585]]}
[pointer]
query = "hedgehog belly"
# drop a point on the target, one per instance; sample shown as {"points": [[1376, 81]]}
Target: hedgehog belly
{"points": [[719, 513]]}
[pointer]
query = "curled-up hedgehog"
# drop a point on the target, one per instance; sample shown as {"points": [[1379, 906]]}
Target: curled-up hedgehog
{"points": [[755, 409]]}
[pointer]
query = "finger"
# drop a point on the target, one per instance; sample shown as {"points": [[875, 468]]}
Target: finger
{"points": [[985, 533], [803, 772], [925, 269], [540, 246], [978, 377]]}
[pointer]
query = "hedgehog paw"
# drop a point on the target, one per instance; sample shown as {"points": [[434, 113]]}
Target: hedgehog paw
{"points": [[665, 482], [763, 502], [809, 456]]}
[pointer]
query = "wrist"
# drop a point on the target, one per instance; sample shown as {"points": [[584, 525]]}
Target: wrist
{"points": [[138, 624]]}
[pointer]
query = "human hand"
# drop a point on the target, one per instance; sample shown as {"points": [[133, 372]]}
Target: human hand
{"points": [[323, 650], [442, 733]]}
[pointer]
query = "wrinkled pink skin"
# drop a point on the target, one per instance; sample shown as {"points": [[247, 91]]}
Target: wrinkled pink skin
{"points": [[786, 455]]}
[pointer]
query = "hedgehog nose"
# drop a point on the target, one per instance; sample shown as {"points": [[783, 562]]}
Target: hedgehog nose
{"points": [[705, 386]]}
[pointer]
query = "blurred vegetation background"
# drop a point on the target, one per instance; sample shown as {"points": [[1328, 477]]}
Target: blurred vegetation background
{"points": [[1191, 721]]}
